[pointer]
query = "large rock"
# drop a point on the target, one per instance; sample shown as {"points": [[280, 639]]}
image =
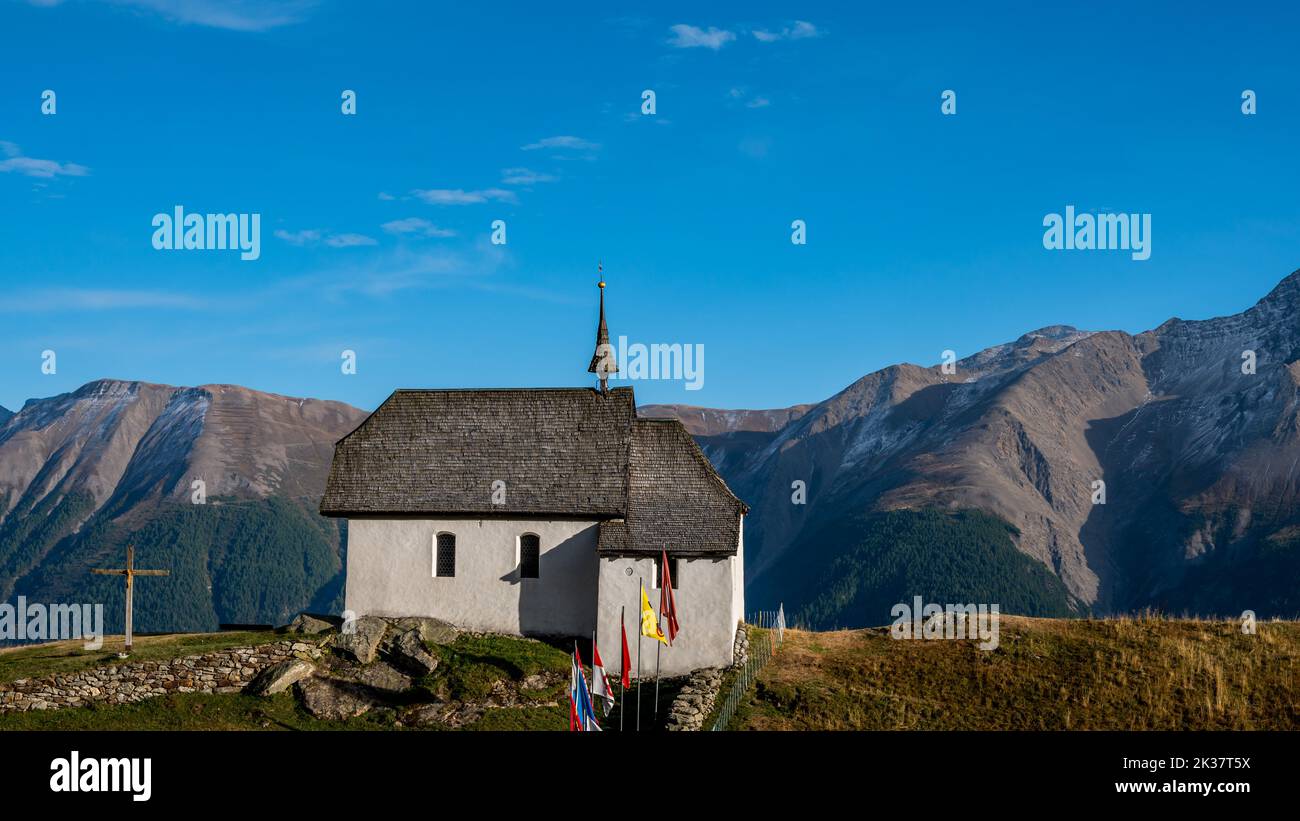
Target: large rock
{"points": [[434, 631], [334, 700], [309, 625], [408, 652], [279, 677], [383, 677], [363, 642], [426, 714]]}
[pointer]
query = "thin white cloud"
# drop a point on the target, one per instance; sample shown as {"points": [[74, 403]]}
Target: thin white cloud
{"points": [[801, 30], [311, 236], [459, 196], [417, 227], [349, 240], [15, 162], [92, 299], [404, 269], [565, 142], [304, 237], [743, 96], [233, 15], [524, 176], [685, 36]]}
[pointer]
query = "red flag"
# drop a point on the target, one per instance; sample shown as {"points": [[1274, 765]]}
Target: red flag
{"points": [[600, 681], [667, 604], [627, 660]]}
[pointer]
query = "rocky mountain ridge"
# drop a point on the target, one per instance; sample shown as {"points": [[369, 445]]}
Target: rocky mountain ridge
{"points": [[1197, 452], [162, 466]]}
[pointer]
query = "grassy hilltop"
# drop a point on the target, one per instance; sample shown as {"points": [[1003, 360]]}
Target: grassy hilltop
{"points": [[1142, 673], [473, 670]]}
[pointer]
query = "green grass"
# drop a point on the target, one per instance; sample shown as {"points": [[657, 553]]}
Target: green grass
{"points": [[729, 676], [524, 718], [190, 711], [1144, 673], [70, 656], [471, 665], [469, 669]]}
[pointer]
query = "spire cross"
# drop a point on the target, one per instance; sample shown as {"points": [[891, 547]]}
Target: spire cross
{"points": [[130, 572]]}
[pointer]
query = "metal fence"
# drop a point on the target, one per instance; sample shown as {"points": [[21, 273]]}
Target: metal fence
{"points": [[767, 619], [760, 651]]}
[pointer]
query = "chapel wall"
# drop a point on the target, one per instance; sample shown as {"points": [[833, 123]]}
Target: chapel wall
{"points": [[391, 573]]}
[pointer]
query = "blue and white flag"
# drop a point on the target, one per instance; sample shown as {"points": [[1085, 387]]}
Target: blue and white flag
{"points": [[582, 717]]}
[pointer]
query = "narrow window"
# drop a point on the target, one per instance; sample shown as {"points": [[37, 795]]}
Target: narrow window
{"points": [[530, 556], [445, 561], [659, 572]]}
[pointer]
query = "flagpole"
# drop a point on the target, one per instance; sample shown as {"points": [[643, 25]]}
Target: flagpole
{"points": [[663, 593], [641, 589], [658, 646], [621, 672]]}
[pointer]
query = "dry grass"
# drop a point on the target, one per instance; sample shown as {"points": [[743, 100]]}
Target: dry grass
{"points": [[1138, 673], [62, 657]]}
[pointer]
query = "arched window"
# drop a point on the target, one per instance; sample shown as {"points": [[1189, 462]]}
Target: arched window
{"points": [[530, 556], [657, 582], [444, 562]]}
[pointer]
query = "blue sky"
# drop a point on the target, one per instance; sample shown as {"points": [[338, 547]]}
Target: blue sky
{"points": [[924, 230]]}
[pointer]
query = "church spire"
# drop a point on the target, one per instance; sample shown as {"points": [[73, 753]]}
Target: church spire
{"points": [[603, 362]]}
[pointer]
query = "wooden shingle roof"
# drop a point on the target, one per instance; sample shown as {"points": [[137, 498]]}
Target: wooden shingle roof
{"points": [[561, 452], [675, 495]]}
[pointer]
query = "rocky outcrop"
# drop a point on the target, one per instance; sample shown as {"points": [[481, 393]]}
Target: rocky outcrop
{"points": [[279, 677], [332, 700], [408, 652], [434, 631], [360, 640], [401, 639], [695, 701], [224, 671], [308, 625], [378, 677]]}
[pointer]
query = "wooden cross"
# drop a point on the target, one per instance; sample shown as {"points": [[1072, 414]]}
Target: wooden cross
{"points": [[130, 572]]}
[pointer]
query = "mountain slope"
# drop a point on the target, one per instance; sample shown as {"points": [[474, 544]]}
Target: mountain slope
{"points": [[1198, 459], [84, 473]]}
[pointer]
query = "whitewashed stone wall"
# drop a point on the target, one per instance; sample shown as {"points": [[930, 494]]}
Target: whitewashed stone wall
{"points": [[391, 574]]}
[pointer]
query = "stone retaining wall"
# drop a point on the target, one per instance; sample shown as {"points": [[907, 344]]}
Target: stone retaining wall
{"points": [[695, 701], [740, 649], [222, 671]]}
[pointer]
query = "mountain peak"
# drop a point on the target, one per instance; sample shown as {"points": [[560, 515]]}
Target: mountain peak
{"points": [[1055, 332], [1285, 292], [115, 387]]}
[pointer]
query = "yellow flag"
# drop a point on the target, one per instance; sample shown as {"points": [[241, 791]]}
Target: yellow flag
{"points": [[650, 624]]}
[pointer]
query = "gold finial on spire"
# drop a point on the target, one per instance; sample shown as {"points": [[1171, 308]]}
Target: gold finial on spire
{"points": [[600, 272]]}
